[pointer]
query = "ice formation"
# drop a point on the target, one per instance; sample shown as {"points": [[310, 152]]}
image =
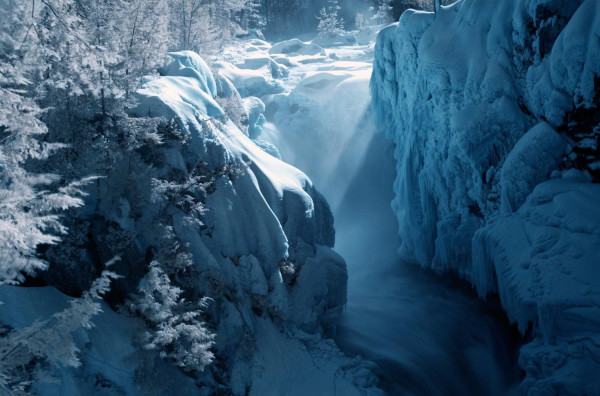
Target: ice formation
{"points": [[488, 104]]}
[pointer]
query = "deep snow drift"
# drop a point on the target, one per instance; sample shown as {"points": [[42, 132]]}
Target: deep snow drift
{"points": [[493, 107]]}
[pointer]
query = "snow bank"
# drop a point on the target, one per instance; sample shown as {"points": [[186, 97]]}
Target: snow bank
{"points": [[296, 46], [486, 101], [250, 82]]}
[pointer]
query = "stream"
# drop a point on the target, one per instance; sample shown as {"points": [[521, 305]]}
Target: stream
{"points": [[428, 334]]}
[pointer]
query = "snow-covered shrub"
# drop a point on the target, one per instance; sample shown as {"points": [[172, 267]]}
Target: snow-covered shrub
{"points": [[234, 108], [329, 20], [25, 353], [177, 330]]}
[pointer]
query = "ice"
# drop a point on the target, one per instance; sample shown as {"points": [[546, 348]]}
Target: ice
{"points": [[480, 100], [565, 81], [543, 261], [530, 162]]}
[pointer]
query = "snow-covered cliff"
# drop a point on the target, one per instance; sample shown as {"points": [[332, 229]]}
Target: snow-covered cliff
{"points": [[225, 220], [493, 107]]}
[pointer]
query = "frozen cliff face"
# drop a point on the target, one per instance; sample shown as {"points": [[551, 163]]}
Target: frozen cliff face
{"points": [[493, 107]]}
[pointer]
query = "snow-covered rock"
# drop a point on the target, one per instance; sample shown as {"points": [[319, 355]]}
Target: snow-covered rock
{"points": [[296, 46], [269, 221], [530, 162], [259, 62], [332, 39], [255, 109], [485, 101], [260, 250], [543, 261], [253, 82]]}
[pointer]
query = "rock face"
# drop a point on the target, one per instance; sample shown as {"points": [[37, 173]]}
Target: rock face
{"points": [[493, 107]]}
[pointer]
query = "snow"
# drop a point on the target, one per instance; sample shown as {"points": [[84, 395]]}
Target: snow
{"points": [[545, 259], [186, 60], [295, 46], [108, 351], [477, 99], [566, 80], [530, 162], [250, 82], [270, 236]]}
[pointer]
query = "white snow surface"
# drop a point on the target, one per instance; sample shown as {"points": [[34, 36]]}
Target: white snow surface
{"points": [[473, 98], [318, 117]]}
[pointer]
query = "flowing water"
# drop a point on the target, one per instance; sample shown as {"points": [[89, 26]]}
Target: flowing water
{"points": [[428, 334]]}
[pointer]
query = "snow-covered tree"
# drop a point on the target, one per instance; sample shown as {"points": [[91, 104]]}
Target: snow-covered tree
{"points": [[204, 26], [25, 353], [329, 20], [28, 201], [384, 11], [177, 330]]}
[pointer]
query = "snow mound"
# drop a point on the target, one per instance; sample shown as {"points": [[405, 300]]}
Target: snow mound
{"points": [[296, 46], [331, 39], [251, 82], [186, 60], [485, 101], [266, 62]]}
